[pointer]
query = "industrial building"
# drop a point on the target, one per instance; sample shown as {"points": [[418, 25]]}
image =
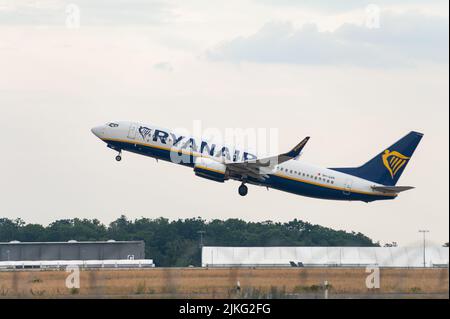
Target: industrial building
{"points": [[90, 254], [408, 257]]}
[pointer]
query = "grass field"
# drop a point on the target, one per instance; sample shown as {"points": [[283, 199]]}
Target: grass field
{"points": [[222, 283]]}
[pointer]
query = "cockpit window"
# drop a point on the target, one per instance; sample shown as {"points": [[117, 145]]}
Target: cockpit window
{"points": [[113, 124]]}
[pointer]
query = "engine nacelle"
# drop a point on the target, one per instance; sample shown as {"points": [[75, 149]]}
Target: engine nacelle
{"points": [[209, 169]]}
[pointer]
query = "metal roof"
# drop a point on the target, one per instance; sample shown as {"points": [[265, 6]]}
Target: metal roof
{"points": [[70, 242], [381, 256]]}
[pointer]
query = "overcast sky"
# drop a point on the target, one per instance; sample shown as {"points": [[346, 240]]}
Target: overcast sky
{"points": [[353, 80]]}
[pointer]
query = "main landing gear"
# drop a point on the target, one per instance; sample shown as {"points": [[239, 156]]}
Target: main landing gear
{"points": [[119, 156], [243, 190]]}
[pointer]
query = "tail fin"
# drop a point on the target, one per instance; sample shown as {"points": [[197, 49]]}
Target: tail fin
{"points": [[387, 167]]}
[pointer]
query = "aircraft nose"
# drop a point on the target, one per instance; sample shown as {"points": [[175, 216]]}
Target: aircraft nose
{"points": [[97, 131]]}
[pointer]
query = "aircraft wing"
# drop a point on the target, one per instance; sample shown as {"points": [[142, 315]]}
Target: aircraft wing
{"points": [[259, 168]]}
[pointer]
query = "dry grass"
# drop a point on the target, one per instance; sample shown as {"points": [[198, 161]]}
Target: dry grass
{"points": [[200, 282]]}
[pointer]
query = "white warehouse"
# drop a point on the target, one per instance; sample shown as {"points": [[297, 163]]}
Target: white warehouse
{"points": [[435, 256]]}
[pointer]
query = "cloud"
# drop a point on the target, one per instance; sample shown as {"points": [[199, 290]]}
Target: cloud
{"points": [[347, 5], [401, 40], [92, 12], [163, 66]]}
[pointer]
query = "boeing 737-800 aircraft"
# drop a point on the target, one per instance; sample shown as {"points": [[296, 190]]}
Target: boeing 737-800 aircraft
{"points": [[375, 180]]}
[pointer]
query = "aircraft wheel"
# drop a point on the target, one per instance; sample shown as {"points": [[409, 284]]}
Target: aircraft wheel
{"points": [[243, 190], [118, 158]]}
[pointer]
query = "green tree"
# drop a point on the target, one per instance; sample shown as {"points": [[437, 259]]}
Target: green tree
{"points": [[177, 243]]}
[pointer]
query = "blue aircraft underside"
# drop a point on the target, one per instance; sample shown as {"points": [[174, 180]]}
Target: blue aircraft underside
{"points": [[276, 182]]}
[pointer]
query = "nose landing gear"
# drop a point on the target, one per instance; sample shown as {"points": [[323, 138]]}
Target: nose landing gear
{"points": [[119, 156], [243, 190]]}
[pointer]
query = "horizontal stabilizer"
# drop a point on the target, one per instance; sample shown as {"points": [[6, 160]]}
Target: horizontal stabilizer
{"points": [[391, 189]]}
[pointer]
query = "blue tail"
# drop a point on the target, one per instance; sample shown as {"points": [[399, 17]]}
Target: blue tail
{"points": [[387, 167]]}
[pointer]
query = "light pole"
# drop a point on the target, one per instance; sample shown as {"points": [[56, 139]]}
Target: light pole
{"points": [[424, 246], [201, 232]]}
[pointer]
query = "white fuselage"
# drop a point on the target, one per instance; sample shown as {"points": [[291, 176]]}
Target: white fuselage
{"points": [[292, 176]]}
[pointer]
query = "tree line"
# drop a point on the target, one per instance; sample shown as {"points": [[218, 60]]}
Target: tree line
{"points": [[177, 243]]}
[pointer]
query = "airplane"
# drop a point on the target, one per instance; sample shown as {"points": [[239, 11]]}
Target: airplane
{"points": [[372, 181]]}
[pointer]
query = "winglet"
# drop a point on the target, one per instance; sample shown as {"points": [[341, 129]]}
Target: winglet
{"points": [[297, 150]]}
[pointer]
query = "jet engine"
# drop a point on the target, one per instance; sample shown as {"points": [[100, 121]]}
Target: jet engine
{"points": [[210, 169]]}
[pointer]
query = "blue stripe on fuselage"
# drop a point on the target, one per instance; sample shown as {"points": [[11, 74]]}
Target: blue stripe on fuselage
{"points": [[274, 181], [316, 191]]}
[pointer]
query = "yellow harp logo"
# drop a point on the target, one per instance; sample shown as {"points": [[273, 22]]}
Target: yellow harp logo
{"points": [[394, 161]]}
